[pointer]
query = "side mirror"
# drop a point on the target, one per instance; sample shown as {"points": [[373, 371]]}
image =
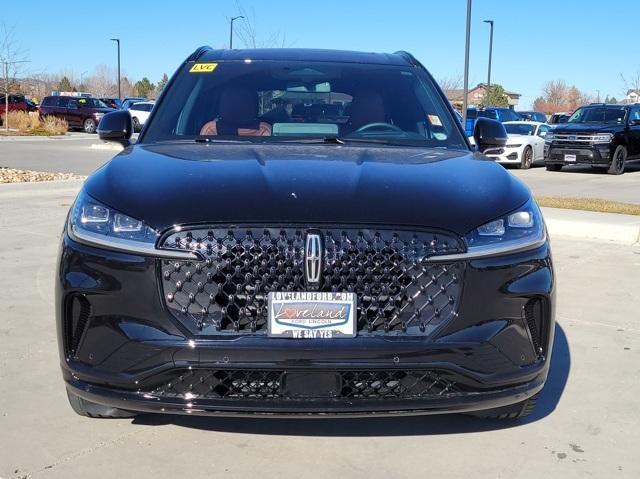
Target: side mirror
{"points": [[489, 134], [542, 134], [117, 127]]}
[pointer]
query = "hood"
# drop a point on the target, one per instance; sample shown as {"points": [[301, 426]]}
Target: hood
{"points": [[187, 183], [579, 128]]}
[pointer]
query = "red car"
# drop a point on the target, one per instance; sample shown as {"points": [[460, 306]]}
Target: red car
{"points": [[16, 103], [79, 112]]}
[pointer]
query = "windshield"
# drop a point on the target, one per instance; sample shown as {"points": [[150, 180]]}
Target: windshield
{"points": [[270, 101], [91, 103], [519, 129], [488, 114], [598, 114]]}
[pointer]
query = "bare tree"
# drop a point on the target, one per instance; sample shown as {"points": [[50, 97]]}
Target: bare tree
{"points": [[451, 83], [12, 61], [247, 31], [102, 81], [631, 83]]}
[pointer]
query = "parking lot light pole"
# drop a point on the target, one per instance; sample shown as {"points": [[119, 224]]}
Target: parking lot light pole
{"points": [[490, 22], [233, 19], [465, 91], [117, 40]]}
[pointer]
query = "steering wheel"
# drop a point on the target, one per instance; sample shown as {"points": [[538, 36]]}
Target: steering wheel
{"points": [[379, 126]]}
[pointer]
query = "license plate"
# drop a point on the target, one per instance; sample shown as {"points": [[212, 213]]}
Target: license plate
{"points": [[570, 158], [312, 315]]}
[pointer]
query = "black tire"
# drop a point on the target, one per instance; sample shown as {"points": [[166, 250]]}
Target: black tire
{"points": [[89, 125], [513, 411], [90, 409], [136, 124], [617, 161], [527, 158], [553, 167]]}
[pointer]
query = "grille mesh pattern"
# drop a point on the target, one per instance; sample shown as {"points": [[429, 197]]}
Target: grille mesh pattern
{"points": [[398, 291], [268, 384]]}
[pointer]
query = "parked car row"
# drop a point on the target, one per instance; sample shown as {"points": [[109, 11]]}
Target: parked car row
{"points": [[85, 113]]}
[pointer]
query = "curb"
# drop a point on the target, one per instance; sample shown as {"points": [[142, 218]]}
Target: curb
{"points": [[623, 229], [106, 145]]}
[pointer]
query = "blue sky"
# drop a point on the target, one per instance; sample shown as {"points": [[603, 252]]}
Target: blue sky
{"points": [[584, 42]]}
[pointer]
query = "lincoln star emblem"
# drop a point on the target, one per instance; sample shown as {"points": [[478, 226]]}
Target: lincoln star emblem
{"points": [[313, 260]]}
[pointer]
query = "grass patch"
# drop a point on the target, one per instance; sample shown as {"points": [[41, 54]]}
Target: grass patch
{"points": [[589, 204]]}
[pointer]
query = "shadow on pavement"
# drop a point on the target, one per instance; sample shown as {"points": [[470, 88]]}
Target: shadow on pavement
{"points": [[378, 426]]}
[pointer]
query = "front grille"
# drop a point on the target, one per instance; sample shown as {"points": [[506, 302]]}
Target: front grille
{"points": [[574, 141], [398, 291], [241, 384]]}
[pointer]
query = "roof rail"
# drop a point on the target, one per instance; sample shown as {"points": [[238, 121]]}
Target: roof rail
{"points": [[198, 53], [410, 58]]}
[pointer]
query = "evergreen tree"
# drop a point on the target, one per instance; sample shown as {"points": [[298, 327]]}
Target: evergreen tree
{"points": [[65, 84]]}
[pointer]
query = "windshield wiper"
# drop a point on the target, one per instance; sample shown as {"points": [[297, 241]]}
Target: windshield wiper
{"points": [[213, 139]]}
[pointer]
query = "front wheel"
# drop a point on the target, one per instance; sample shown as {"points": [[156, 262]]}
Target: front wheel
{"points": [[90, 409], [527, 158], [513, 411], [89, 125], [553, 167], [617, 162]]}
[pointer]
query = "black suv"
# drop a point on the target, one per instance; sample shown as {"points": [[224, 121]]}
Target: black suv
{"points": [[303, 232], [599, 135]]}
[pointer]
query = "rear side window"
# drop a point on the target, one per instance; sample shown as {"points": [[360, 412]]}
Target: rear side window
{"points": [[50, 101]]}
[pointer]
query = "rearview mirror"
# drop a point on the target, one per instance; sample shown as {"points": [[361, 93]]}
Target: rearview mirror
{"points": [[489, 134], [117, 127]]}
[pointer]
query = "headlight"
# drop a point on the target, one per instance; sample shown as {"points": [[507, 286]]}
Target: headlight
{"points": [[515, 146], [519, 230], [603, 138], [95, 224], [548, 138]]}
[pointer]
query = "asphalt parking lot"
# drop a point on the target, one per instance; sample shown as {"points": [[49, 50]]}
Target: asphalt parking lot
{"points": [[76, 153], [587, 423]]}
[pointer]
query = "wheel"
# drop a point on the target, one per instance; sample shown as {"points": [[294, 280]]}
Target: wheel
{"points": [[553, 167], [513, 411], [527, 158], [90, 409], [136, 124], [618, 160], [89, 125]]}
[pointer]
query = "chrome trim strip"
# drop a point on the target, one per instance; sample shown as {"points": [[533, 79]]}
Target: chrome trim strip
{"points": [[128, 246], [488, 252]]}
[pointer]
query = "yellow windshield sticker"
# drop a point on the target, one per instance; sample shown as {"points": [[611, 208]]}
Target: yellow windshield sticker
{"points": [[203, 67], [435, 120]]}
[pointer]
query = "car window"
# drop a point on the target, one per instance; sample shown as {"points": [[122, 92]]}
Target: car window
{"points": [[297, 99], [520, 128], [488, 114], [634, 114], [598, 114], [508, 115], [63, 102], [542, 130]]}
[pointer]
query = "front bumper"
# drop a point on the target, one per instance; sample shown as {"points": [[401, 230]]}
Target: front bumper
{"points": [[510, 156], [130, 346], [584, 154]]}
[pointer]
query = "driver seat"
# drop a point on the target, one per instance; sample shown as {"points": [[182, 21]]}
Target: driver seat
{"points": [[366, 107]]}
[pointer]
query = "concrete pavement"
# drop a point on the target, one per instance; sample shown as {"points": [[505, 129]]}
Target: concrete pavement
{"points": [[584, 182], [587, 425]]}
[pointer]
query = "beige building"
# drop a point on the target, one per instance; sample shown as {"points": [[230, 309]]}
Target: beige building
{"points": [[475, 96]]}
